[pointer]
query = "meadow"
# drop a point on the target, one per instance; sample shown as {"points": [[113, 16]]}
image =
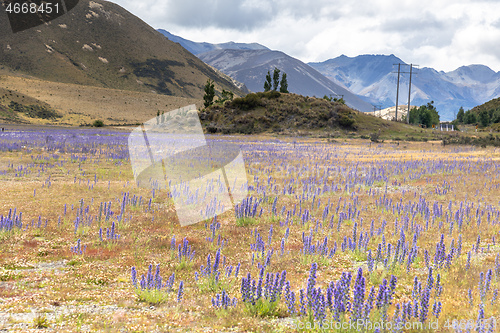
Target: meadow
{"points": [[335, 236]]}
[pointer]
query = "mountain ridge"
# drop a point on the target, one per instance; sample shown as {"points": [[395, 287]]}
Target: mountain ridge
{"points": [[467, 86], [251, 66], [373, 79], [249, 63], [198, 48]]}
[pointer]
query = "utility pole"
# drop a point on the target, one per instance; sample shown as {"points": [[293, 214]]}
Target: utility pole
{"points": [[409, 97], [409, 89], [397, 91]]}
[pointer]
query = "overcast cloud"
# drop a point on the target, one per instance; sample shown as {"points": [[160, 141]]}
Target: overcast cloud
{"points": [[443, 34]]}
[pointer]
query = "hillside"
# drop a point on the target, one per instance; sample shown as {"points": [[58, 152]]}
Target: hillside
{"points": [[100, 44], [291, 114], [78, 104], [490, 106]]}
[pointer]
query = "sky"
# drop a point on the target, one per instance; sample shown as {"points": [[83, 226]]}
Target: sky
{"points": [[441, 34]]}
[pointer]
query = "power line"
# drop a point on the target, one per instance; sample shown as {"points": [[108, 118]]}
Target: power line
{"points": [[409, 89]]}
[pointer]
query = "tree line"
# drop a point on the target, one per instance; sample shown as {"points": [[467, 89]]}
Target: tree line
{"points": [[484, 117]]}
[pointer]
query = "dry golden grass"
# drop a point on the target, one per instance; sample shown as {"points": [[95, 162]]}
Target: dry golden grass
{"points": [[80, 104], [93, 291]]}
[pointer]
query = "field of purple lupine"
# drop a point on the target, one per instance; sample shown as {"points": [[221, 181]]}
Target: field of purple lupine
{"points": [[334, 236]]}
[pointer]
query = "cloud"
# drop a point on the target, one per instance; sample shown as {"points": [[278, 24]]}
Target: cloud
{"points": [[240, 15], [439, 34]]}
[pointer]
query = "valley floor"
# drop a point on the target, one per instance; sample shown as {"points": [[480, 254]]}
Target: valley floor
{"points": [[401, 234]]}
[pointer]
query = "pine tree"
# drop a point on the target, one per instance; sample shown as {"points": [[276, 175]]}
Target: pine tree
{"points": [[267, 83], [276, 78], [460, 115], [209, 93], [284, 84]]}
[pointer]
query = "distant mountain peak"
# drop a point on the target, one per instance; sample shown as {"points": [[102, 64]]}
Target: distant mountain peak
{"points": [[251, 66], [373, 76], [198, 48]]}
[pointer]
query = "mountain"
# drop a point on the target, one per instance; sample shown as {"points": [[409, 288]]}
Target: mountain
{"points": [[100, 44], [249, 63], [251, 66], [374, 77], [197, 48]]}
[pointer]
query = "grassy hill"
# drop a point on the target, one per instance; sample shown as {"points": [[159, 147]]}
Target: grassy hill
{"points": [[494, 104], [100, 44], [486, 115], [292, 114]]}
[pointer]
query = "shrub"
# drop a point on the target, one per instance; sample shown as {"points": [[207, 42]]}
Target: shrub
{"points": [[374, 137], [98, 123], [346, 121], [249, 102]]}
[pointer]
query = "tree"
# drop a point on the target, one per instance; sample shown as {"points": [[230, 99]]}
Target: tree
{"points": [[460, 115], [425, 115], [276, 78], [284, 84], [267, 83], [227, 95], [470, 117], [484, 118], [209, 93]]}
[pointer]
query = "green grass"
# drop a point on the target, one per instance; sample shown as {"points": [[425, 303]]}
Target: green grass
{"points": [[246, 221], [153, 297]]}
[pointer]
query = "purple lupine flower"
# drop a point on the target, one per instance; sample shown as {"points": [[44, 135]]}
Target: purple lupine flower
{"points": [[311, 281], [369, 261], [143, 282], [382, 295], [430, 279], [415, 292], [134, 277], [369, 303], [436, 309], [180, 292], [392, 287], [237, 270], [438, 287], [359, 295], [303, 311], [216, 261], [170, 282], [229, 270], [487, 283], [424, 304], [480, 319], [157, 278]]}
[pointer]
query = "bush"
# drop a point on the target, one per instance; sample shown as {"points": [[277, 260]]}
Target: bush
{"points": [[489, 140], [269, 94], [374, 137], [98, 123], [346, 121], [249, 102], [34, 111]]}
